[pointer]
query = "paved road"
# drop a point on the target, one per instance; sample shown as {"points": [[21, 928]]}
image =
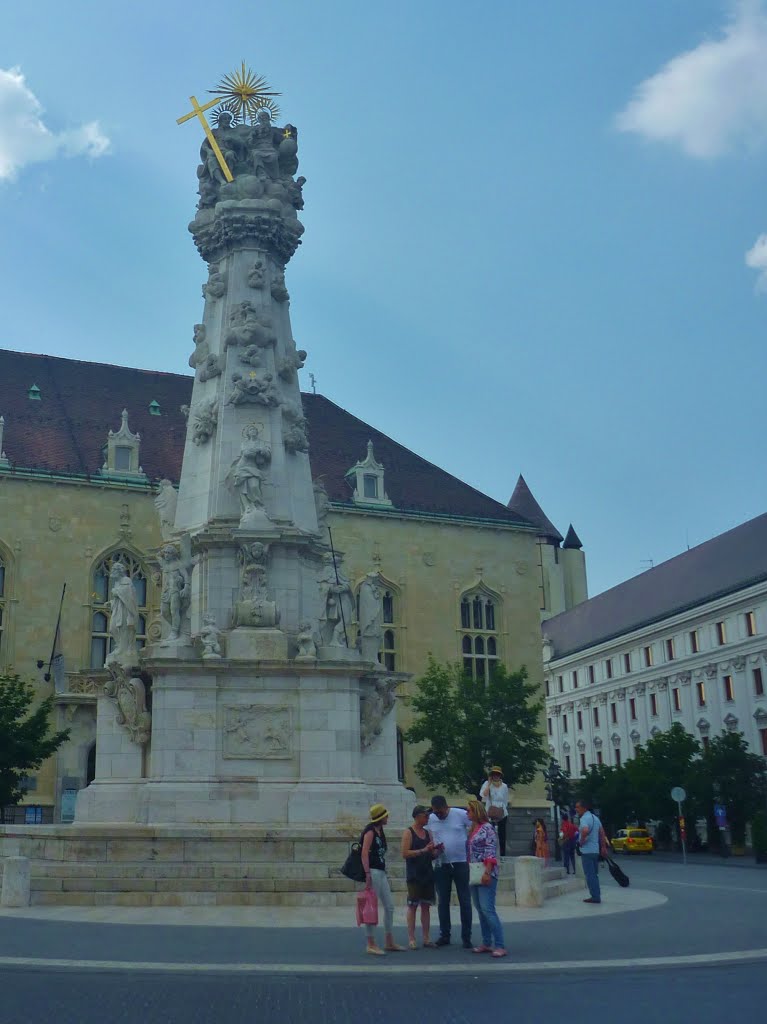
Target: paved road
{"points": [[710, 911]]}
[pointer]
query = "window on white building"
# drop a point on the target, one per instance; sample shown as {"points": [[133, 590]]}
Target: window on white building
{"points": [[648, 658], [654, 705], [592, 677], [632, 709], [721, 633], [750, 618], [627, 663], [701, 691], [694, 642], [670, 649], [609, 668], [596, 717], [729, 688], [677, 698], [758, 683]]}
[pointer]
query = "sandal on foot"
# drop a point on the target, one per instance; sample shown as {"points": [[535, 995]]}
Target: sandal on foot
{"points": [[430, 945], [498, 953], [482, 949], [375, 951], [412, 944], [394, 948]]}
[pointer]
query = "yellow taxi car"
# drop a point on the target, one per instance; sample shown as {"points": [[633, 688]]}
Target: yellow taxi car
{"points": [[632, 840]]}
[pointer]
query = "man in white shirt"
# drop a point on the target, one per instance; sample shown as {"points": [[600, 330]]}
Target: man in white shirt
{"points": [[448, 827]]}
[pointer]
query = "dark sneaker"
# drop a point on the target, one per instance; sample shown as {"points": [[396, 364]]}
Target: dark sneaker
{"points": [[468, 944], [442, 941]]}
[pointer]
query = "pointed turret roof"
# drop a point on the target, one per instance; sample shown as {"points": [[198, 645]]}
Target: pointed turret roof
{"points": [[572, 540], [524, 504]]}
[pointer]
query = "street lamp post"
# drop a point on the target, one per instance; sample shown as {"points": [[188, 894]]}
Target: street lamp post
{"points": [[553, 776]]}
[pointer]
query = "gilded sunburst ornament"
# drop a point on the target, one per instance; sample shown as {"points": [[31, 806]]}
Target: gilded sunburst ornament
{"points": [[243, 93]]}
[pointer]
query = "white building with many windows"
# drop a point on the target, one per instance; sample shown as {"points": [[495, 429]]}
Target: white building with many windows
{"points": [[683, 642]]}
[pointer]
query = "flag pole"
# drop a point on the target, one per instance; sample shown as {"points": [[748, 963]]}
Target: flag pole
{"points": [[338, 584], [47, 676]]}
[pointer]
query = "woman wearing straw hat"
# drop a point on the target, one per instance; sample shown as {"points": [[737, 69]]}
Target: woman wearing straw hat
{"points": [[495, 796], [374, 863]]}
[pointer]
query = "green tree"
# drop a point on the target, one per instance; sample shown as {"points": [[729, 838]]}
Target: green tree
{"points": [[24, 739], [664, 762], [470, 724], [730, 774], [609, 788]]}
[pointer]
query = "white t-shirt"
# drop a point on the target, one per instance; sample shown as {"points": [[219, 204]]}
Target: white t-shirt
{"points": [[452, 832], [495, 796]]}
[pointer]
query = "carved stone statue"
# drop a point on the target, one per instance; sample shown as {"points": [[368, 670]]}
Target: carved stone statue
{"points": [[279, 289], [215, 287], [123, 618], [201, 348], [165, 502], [294, 432], [376, 701], [246, 327], [209, 368], [295, 192], [253, 389], [256, 275], [290, 363], [370, 618], [307, 647], [337, 617], [322, 504], [175, 596], [251, 355], [209, 638], [205, 420], [253, 608], [247, 473]]}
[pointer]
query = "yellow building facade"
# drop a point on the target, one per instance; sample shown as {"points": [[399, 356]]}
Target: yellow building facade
{"points": [[460, 572]]}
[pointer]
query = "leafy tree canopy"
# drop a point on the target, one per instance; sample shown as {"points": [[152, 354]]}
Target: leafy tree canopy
{"points": [[469, 725], [24, 739]]}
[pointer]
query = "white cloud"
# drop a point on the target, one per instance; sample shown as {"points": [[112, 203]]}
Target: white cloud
{"points": [[25, 139], [756, 258], [712, 99]]}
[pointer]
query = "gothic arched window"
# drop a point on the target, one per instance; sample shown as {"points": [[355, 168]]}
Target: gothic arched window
{"points": [[101, 642], [479, 637]]}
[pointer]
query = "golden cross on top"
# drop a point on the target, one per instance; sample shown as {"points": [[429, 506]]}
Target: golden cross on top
{"points": [[199, 112]]}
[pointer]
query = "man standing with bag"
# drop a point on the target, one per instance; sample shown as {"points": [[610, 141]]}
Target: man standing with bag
{"points": [[589, 827], [448, 827]]}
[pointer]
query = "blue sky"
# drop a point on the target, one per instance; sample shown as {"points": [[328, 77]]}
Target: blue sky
{"points": [[528, 230]]}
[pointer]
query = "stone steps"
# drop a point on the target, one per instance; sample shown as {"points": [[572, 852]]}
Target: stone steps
{"points": [[259, 884]]}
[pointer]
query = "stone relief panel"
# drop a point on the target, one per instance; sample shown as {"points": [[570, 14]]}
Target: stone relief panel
{"points": [[279, 290], [255, 277], [289, 364], [376, 701], [253, 389], [249, 327], [258, 731]]}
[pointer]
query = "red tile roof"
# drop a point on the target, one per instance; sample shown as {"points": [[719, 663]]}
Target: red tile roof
{"points": [[66, 431]]}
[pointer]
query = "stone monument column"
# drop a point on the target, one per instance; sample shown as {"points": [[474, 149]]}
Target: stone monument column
{"points": [[261, 700]]}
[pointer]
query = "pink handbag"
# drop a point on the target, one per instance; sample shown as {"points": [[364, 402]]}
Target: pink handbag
{"points": [[367, 907]]}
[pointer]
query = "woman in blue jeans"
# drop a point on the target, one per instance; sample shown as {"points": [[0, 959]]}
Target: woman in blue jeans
{"points": [[482, 848]]}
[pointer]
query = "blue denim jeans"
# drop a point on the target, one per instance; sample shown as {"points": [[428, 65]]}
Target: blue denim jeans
{"points": [[489, 922], [444, 877], [568, 854], [590, 863]]}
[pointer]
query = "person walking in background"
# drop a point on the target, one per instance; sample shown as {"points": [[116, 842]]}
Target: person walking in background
{"points": [[418, 851], [374, 864], [540, 840], [590, 826], [495, 795], [569, 839], [447, 827], [482, 846]]}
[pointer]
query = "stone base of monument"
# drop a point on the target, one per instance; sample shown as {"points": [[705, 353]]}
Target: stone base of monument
{"points": [[140, 866]]}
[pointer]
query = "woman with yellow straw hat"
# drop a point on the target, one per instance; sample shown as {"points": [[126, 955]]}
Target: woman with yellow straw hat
{"points": [[495, 796], [373, 841]]}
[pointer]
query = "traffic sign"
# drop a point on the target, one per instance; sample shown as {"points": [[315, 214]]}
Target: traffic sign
{"points": [[678, 794]]}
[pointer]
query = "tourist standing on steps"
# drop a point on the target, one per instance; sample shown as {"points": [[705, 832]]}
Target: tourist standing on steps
{"points": [[495, 794], [418, 851], [482, 846], [374, 863], [540, 840], [589, 844], [448, 826]]}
